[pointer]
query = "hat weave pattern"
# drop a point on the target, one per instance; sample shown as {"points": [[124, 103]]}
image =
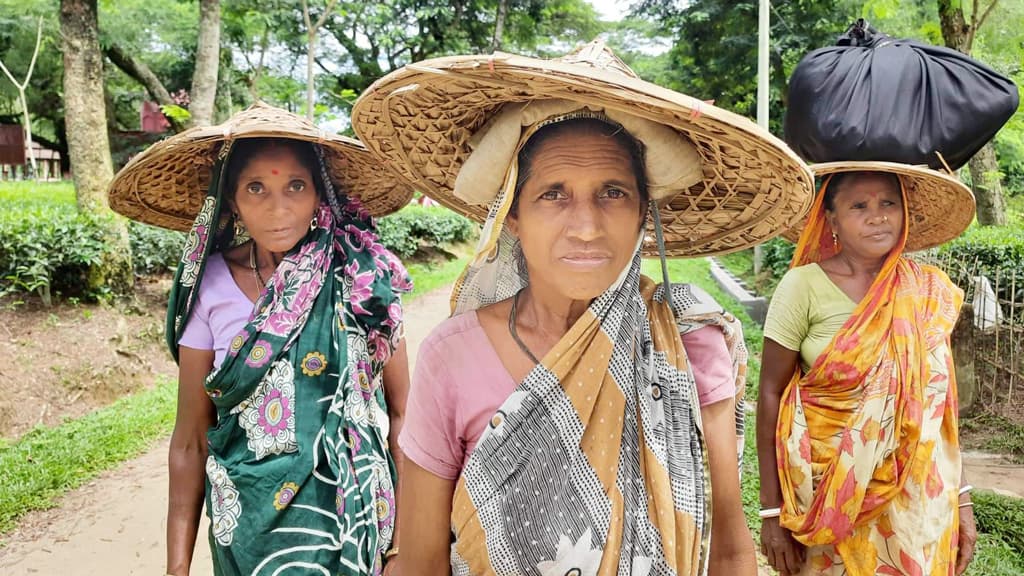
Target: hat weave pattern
{"points": [[420, 119], [166, 184]]}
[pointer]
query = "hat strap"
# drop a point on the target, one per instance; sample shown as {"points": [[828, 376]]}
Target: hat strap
{"points": [[660, 238]]}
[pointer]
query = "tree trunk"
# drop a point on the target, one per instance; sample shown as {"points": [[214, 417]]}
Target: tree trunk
{"points": [[988, 188], [204, 79], [955, 29], [311, 30], [499, 25], [89, 143], [958, 34], [29, 146]]}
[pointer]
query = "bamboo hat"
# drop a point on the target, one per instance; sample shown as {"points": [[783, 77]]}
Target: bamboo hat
{"points": [[939, 206], [422, 119], [165, 185]]}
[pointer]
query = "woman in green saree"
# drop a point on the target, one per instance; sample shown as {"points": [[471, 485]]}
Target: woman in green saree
{"points": [[286, 320]]}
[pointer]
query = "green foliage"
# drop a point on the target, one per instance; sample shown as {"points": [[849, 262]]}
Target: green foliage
{"points": [[128, 144], [750, 482], [994, 557], [778, 253], [176, 113], [47, 246], [48, 249], [714, 53], [46, 462], [1000, 516], [994, 252], [154, 250], [403, 231]]}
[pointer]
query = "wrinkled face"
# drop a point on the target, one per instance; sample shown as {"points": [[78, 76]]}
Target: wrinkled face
{"points": [[579, 215], [868, 215], [276, 198]]}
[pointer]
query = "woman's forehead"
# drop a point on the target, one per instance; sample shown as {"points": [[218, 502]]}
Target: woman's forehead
{"points": [[581, 148], [871, 184]]}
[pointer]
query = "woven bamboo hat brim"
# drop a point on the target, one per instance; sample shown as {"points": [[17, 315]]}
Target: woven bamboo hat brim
{"points": [[420, 118], [165, 185], [940, 206]]}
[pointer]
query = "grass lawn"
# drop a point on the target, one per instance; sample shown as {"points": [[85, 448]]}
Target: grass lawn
{"points": [[36, 194], [430, 276], [46, 462]]}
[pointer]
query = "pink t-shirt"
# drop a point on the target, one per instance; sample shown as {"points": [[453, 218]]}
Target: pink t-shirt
{"points": [[220, 311], [459, 383]]}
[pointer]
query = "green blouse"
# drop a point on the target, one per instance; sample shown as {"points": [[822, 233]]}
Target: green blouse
{"points": [[806, 312]]}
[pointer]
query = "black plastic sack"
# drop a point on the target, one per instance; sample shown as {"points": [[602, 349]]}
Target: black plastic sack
{"points": [[872, 97]]}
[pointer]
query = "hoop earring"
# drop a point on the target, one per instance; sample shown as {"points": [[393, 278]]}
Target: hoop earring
{"points": [[312, 224], [240, 229]]}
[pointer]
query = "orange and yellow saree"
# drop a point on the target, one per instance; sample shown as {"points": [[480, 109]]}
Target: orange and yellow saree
{"points": [[867, 445]]}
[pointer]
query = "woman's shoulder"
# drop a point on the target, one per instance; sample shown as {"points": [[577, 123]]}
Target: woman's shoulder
{"points": [[804, 273], [454, 333], [799, 278], [216, 274]]}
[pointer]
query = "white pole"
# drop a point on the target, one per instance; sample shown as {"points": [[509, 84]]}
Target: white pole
{"points": [[762, 93], [762, 64]]}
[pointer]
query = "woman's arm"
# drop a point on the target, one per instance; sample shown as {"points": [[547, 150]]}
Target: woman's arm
{"points": [[396, 392], [186, 459], [732, 551], [778, 364], [426, 512]]}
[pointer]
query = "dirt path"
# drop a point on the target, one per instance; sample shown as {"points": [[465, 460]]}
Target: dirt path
{"points": [[115, 524]]}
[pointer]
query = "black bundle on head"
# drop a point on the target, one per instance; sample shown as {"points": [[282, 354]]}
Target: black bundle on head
{"points": [[585, 127], [837, 180]]}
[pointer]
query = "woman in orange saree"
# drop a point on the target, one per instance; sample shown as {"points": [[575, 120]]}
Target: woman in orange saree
{"points": [[857, 415]]}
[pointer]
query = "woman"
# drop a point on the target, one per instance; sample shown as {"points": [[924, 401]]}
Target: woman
{"points": [[554, 424], [286, 322], [857, 415]]}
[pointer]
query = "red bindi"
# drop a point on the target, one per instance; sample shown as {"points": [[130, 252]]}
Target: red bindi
{"points": [[274, 171]]}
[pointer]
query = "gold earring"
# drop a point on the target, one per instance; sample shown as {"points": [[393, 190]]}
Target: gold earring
{"points": [[240, 229], [312, 224], [835, 241]]}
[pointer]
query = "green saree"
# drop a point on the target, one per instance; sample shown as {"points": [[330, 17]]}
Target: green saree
{"points": [[299, 479]]}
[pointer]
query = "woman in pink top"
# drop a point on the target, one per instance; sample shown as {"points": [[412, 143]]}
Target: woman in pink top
{"points": [[572, 417]]}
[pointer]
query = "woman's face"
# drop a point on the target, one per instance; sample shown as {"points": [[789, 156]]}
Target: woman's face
{"points": [[276, 198], [868, 215], [578, 216]]}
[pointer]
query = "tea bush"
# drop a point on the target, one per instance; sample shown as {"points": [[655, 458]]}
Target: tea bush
{"points": [[405, 230]]}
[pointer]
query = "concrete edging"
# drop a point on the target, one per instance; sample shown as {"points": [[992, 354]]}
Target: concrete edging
{"points": [[756, 306]]}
